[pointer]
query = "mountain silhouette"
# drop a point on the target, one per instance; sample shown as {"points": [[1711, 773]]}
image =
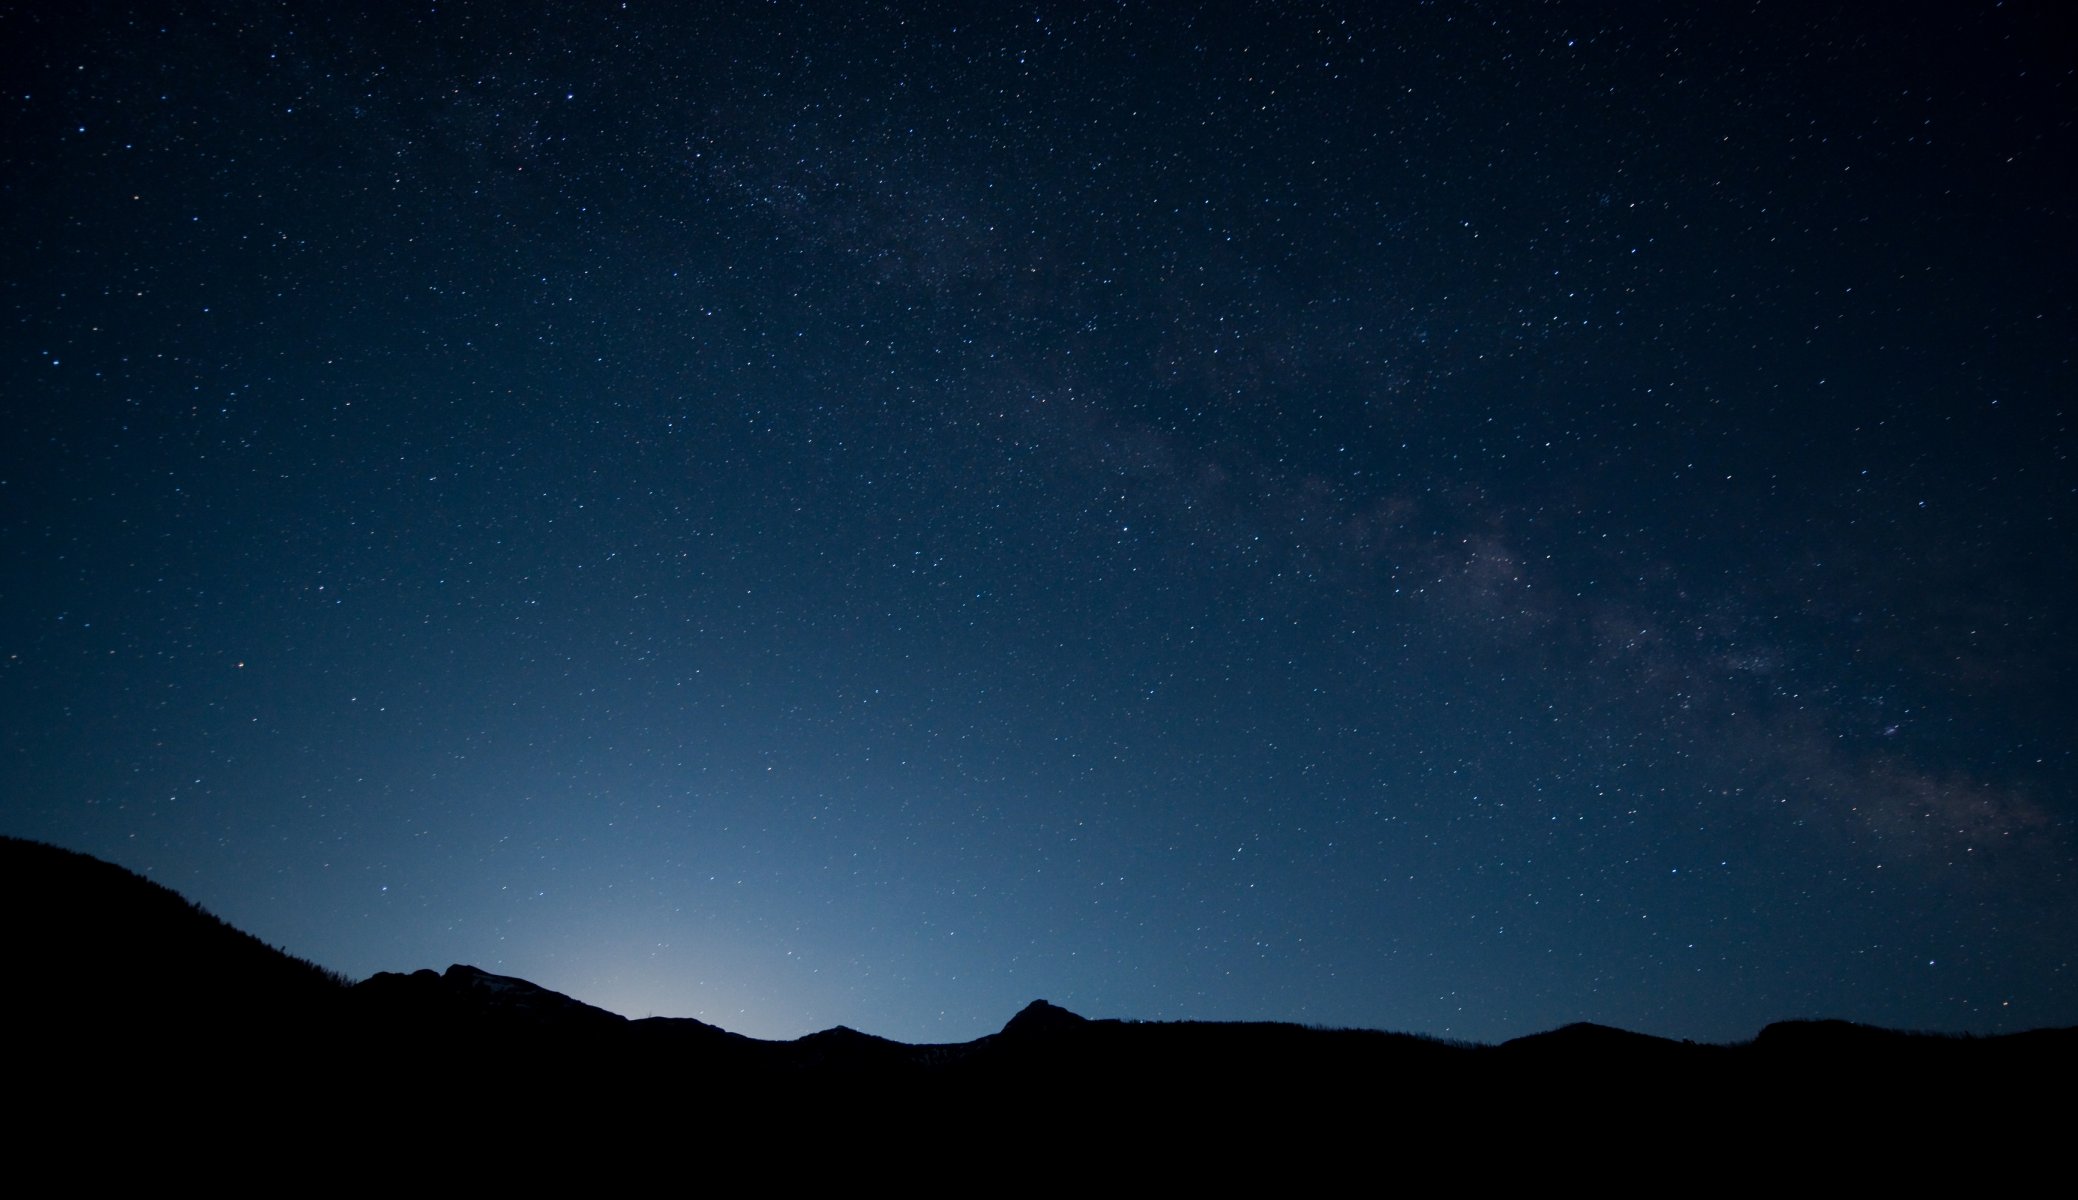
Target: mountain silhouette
{"points": [[96, 946], [119, 986]]}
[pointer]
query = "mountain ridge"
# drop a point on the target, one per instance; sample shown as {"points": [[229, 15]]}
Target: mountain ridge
{"points": [[119, 912], [228, 1017]]}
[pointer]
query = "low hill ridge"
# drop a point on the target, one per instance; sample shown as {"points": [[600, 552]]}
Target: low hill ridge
{"points": [[118, 978]]}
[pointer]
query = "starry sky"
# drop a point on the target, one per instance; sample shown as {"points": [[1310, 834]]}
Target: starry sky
{"points": [[1454, 517]]}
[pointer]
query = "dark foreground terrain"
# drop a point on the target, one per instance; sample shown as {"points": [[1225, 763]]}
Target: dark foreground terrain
{"points": [[144, 1035]]}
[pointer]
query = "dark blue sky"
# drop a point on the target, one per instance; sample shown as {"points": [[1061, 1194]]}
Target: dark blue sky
{"points": [[1447, 517]]}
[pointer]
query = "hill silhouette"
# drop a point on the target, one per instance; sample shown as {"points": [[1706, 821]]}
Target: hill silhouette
{"points": [[119, 986], [96, 946]]}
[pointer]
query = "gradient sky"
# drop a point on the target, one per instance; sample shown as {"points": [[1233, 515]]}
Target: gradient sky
{"points": [[1448, 517]]}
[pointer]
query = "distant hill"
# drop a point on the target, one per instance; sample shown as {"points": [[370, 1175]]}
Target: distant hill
{"points": [[117, 986]]}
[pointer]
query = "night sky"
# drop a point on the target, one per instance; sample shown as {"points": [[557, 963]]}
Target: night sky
{"points": [[1452, 517]]}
